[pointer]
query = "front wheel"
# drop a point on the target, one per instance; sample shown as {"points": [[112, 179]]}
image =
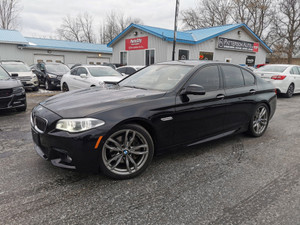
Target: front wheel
{"points": [[259, 121], [47, 85], [126, 152], [65, 87]]}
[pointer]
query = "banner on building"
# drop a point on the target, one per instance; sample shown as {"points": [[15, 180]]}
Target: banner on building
{"points": [[238, 45], [138, 43]]}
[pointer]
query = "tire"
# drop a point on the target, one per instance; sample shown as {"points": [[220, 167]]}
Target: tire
{"points": [[119, 159], [65, 87], [259, 121], [35, 88], [290, 91], [47, 85]]}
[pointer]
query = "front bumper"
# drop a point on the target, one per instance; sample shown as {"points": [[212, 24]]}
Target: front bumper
{"points": [[63, 149], [54, 82], [13, 101]]}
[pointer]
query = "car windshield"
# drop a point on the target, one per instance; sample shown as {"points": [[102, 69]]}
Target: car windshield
{"points": [[3, 74], [104, 71], [272, 68], [157, 77], [16, 67], [54, 68]]}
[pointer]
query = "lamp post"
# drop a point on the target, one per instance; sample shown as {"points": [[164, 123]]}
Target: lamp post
{"points": [[175, 28]]}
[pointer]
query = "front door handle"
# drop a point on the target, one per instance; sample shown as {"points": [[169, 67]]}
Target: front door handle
{"points": [[220, 96], [252, 91]]}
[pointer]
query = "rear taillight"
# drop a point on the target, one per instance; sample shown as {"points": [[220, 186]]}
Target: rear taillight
{"points": [[278, 77], [275, 90]]}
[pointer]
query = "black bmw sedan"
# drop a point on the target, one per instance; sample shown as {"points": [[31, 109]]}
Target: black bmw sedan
{"points": [[12, 93], [167, 105]]}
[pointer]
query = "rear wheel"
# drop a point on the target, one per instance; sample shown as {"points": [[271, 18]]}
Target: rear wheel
{"points": [[259, 121], [126, 152], [290, 91], [65, 87]]}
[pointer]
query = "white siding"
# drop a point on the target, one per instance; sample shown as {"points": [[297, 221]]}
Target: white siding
{"points": [[163, 49]]}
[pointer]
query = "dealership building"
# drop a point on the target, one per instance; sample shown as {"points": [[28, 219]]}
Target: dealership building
{"points": [[14, 46], [145, 45]]}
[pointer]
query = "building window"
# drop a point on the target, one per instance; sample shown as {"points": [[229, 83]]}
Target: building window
{"points": [[183, 54], [150, 57], [206, 56], [123, 58]]}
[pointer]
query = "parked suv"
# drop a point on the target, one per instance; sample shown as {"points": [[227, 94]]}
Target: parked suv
{"points": [[50, 74], [25, 75]]}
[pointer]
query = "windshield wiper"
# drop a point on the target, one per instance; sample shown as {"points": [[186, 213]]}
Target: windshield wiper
{"points": [[136, 87]]}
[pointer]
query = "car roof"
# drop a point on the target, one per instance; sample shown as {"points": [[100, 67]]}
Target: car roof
{"points": [[189, 62], [11, 62]]}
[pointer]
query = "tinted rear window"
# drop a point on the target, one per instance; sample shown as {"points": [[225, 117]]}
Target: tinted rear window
{"points": [[233, 76], [249, 78], [272, 68]]}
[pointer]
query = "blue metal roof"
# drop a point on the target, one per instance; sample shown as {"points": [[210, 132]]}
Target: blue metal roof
{"points": [[190, 36], [12, 36], [66, 45]]}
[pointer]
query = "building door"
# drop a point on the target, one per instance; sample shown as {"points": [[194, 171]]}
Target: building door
{"points": [[96, 61], [48, 58], [150, 57]]}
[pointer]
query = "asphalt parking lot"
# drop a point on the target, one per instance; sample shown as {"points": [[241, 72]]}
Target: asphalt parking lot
{"points": [[235, 180]]}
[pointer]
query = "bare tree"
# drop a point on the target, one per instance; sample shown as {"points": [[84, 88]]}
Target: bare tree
{"points": [[114, 24], [207, 13], [287, 28], [256, 14], [9, 13], [79, 28]]}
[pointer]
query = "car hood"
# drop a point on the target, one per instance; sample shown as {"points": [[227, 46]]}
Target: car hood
{"points": [[84, 102], [57, 73], [23, 74], [10, 83]]}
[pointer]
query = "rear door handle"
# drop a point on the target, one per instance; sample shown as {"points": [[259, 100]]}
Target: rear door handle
{"points": [[252, 91], [220, 96]]}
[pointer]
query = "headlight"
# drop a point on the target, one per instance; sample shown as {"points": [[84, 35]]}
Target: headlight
{"points": [[18, 90], [52, 75], [78, 125]]}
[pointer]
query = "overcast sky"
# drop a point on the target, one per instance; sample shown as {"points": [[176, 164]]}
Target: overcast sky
{"points": [[41, 18]]}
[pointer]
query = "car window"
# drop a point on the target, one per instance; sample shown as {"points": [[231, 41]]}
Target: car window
{"points": [[233, 76], [74, 71], [16, 67], [298, 67], [3, 74], [122, 70], [294, 70], [81, 70], [130, 70], [272, 68], [248, 78], [207, 77], [157, 77]]}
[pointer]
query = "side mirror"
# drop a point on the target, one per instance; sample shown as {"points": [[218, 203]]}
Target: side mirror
{"points": [[194, 89], [83, 75], [14, 75]]}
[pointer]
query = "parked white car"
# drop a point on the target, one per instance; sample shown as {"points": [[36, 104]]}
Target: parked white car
{"points": [[25, 75], [286, 78], [89, 76]]}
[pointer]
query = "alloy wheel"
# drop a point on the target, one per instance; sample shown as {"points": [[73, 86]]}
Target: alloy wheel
{"points": [[290, 91], [260, 120], [126, 152]]}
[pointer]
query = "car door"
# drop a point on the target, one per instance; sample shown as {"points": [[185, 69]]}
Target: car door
{"points": [[79, 82], [240, 89], [201, 116], [71, 79]]}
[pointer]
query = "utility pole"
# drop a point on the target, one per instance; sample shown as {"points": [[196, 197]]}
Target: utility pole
{"points": [[175, 28]]}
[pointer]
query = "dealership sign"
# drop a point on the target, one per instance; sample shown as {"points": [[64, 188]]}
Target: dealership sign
{"points": [[231, 44], [136, 43]]}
